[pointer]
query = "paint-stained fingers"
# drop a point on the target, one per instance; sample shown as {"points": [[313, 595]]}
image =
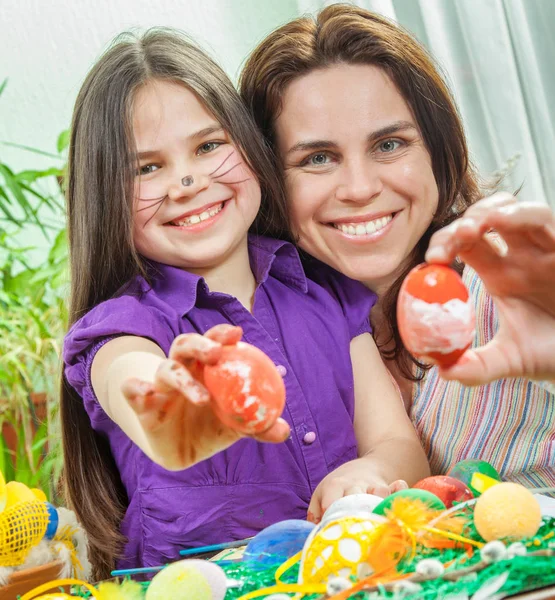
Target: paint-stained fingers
{"points": [[172, 376], [151, 407], [225, 334], [278, 432], [189, 347]]}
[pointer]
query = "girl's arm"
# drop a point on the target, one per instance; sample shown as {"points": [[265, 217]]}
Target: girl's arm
{"points": [[156, 401], [389, 448]]}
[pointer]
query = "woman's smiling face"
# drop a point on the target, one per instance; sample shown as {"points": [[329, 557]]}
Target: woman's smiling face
{"points": [[359, 177]]}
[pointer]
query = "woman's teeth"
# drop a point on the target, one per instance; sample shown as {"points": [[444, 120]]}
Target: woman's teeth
{"points": [[194, 219], [363, 228]]}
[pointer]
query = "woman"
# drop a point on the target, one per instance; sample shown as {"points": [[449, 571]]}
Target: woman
{"points": [[375, 162]]}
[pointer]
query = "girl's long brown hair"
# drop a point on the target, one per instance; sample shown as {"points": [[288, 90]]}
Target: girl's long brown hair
{"points": [[350, 35], [101, 170]]}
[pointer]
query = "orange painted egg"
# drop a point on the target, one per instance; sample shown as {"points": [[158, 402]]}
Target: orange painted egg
{"points": [[248, 391], [435, 314], [448, 489]]}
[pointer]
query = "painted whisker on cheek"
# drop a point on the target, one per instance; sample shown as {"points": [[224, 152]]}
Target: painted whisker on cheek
{"points": [[228, 171], [154, 202], [221, 164], [235, 182]]}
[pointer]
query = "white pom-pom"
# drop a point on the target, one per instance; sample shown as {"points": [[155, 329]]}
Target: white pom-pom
{"points": [[430, 567], [493, 552]]}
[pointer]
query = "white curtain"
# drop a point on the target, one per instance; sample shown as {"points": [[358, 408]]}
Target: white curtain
{"points": [[499, 58]]}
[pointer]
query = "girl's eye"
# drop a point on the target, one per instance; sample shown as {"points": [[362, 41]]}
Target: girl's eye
{"points": [[388, 146], [209, 147], [147, 169], [316, 160]]}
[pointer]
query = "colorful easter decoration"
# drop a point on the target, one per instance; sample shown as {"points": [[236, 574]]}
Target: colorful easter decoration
{"points": [[338, 548], [448, 489], [278, 542], [52, 522], [465, 470], [436, 315], [248, 391], [507, 511], [424, 497], [188, 580], [22, 526], [356, 503]]}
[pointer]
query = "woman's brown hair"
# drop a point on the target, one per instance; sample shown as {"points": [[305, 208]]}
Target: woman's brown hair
{"points": [[350, 35], [101, 171]]}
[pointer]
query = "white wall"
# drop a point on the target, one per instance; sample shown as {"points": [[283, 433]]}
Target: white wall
{"points": [[47, 46]]}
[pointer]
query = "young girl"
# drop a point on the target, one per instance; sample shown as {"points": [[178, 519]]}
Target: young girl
{"points": [[166, 177]]}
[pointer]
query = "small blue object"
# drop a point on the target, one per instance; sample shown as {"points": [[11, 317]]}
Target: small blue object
{"points": [[278, 542], [213, 548], [52, 522]]}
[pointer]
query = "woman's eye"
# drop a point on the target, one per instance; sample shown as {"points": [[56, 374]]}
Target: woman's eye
{"points": [[147, 169], [389, 145], [318, 159], [209, 147]]}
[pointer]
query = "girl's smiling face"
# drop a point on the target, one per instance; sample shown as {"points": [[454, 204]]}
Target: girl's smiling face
{"points": [[359, 177], [197, 226]]}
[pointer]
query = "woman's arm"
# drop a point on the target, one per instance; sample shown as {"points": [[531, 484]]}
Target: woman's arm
{"points": [[388, 446], [383, 429]]}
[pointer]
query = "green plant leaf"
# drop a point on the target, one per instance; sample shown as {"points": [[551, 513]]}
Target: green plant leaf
{"points": [[3, 85], [31, 149], [63, 140], [31, 176]]}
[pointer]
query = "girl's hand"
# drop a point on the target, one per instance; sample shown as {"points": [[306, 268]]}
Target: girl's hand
{"points": [[354, 477], [175, 411], [520, 279]]}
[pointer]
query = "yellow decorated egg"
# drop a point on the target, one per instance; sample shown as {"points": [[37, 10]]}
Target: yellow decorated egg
{"points": [[339, 547], [188, 580], [507, 511]]}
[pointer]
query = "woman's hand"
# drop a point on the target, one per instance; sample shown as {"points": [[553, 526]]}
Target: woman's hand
{"points": [[175, 410], [354, 477], [519, 275]]}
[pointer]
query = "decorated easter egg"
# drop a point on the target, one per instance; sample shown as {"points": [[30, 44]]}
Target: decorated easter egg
{"points": [[355, 503], [188, 580], [448, 489], [248, 391], [339, 548], [465, 470], [435, 314], [507, 511], [426, 497], [278, 542]]}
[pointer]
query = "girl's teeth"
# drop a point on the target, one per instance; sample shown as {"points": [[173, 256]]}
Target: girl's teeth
{"points": [[364, 228], [194, 219]]}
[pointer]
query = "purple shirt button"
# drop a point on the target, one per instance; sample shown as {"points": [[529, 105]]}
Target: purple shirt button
{"points": [[309, 438], [281, 370]]}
